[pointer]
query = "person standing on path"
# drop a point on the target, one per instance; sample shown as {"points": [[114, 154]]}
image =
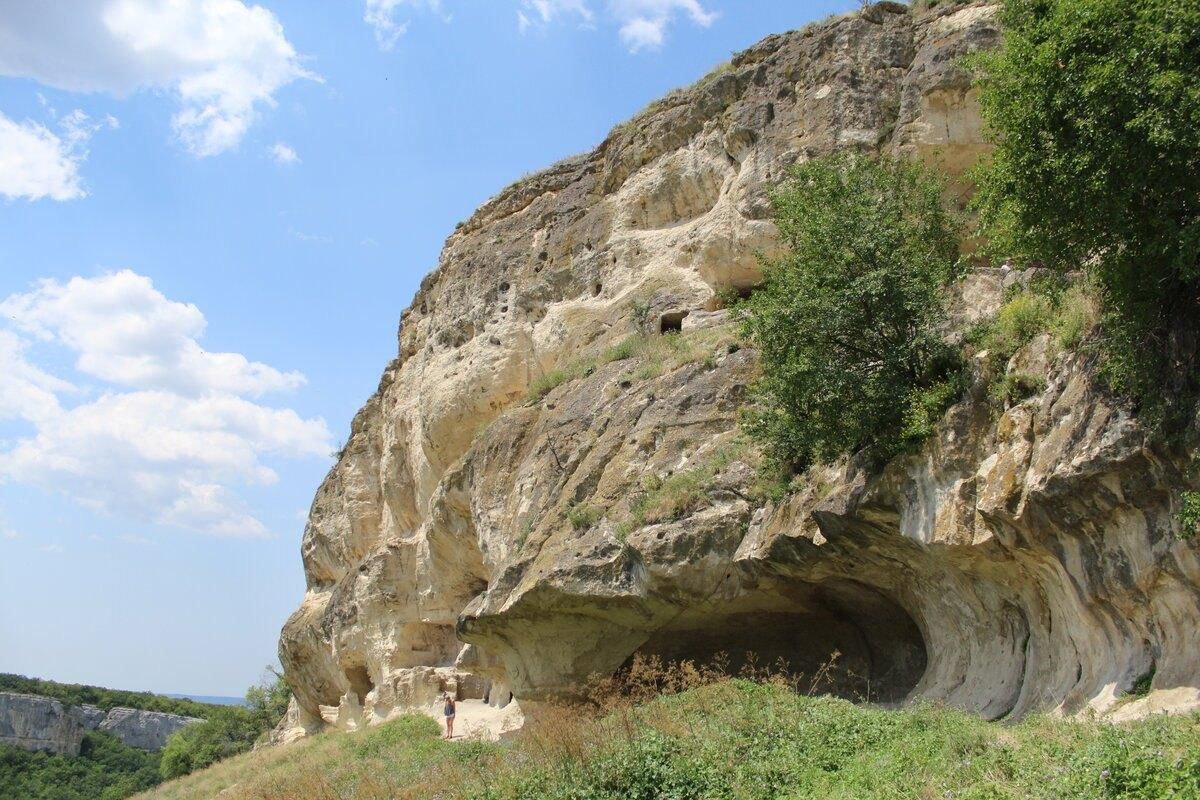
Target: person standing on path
{"points": [[449, 711]]}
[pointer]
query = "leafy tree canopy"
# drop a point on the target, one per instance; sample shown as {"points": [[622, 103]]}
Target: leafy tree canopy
{"points": [[1094, 106], [847, 320]]}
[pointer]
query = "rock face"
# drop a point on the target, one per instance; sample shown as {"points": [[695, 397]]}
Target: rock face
{"points": [[32, 722], [145, 730], [39, 723], [467, 541]]}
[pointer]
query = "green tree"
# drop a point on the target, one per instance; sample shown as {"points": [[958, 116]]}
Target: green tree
{"points": [[229, 730], [268, 700], [1094, 106], [847, 320]]}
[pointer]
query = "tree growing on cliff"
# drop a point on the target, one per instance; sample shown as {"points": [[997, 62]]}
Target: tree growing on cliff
{"points": [[1094, 107], [846, 320]]}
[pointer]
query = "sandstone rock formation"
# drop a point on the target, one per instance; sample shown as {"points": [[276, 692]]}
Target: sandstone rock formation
{"points": [[33, 722], [468, 541]]}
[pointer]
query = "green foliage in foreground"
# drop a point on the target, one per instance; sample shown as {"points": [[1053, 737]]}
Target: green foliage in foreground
{"points": [[74, 694], [1095, 109], [745, 741], [847, 320], [733, 740], [105, 770], [229, 730]]}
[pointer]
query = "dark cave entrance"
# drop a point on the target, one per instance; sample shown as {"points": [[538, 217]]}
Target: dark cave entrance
{"points": [[672, 321], [359, 680], [797, 630]]}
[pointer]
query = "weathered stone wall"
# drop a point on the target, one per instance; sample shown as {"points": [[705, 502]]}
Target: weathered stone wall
{"points": [[1023, 560]]}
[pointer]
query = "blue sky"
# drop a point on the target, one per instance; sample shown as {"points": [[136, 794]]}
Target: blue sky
{"points": [[211, 216]]}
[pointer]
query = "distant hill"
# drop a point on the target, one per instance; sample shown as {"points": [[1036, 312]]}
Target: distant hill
{"points": [[210, 699], [107, 699]]}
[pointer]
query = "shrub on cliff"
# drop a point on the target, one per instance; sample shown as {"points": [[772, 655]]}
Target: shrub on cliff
{"points": [[846, 320], [1094, 106]]}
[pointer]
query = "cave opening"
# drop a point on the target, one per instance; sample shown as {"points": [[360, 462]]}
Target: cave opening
{"points": [[672, 322], [797, 630], [360, 681]]}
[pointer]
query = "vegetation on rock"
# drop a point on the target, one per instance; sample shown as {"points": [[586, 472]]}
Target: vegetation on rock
{"points": [[1094, 106], [847, 320]]}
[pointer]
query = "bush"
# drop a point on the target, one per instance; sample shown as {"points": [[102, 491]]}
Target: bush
{"points": [[105, 769], [1068, 313], [226, 732], [1188, 515], [1014, 387], [1094, 106], [268, 700], [229, 730], [584, 516], [847, 321]]}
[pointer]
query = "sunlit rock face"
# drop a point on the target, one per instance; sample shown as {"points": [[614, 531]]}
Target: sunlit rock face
{"points": [[33, 722], [465, 541]]}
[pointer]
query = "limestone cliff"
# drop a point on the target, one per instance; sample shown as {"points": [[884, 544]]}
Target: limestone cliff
{"points": [[33, 722], [471, 541]]}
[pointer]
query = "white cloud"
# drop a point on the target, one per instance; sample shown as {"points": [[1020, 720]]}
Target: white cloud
{"points": [[543, 12], [309, 238], [53, 549], [172, 432], [284, 153], [26, 392], [644, 22], [222, 60], [382, 16], [36, 163], [125, 331]]}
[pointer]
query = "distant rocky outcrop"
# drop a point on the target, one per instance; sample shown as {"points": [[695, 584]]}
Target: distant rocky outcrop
{"points": [[145, 730], [471, 542], [39, 723], [32, 722]]}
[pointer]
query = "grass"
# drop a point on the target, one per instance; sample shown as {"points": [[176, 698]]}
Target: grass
{"points": [[728, 740], [673, 497], [1069, 313], [655, 355], [1011, 388]]}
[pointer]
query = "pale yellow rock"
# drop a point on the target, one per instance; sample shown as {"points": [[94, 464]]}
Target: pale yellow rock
{"points": [[1023, 560]]}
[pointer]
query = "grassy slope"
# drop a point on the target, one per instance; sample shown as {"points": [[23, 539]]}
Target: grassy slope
{"points": [[733, 740]]}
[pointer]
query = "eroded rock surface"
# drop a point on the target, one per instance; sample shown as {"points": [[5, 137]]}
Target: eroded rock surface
{"points": [[39, 723], [33, 722], [468, 542], [145, 730]]}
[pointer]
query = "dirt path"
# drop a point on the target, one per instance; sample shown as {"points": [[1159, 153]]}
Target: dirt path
{"points": [[475, 719]]}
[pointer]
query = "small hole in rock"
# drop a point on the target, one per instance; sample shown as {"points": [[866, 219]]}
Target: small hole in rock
{"points": [[672, 322], [596, 289]]}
